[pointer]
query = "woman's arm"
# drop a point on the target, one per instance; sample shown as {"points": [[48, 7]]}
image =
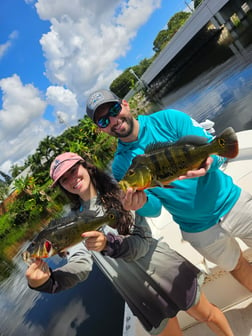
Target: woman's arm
{"points": [[77, 269], [129, 247]]}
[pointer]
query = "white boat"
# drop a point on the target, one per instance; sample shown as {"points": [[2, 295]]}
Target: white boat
{"points": [[220, 287]]}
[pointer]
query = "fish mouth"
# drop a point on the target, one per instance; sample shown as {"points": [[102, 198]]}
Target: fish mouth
{"points": [[26, 256], [44, 250], [124, 185]]}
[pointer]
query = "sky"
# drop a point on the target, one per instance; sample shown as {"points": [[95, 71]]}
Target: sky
{"points": [[53, 54]]}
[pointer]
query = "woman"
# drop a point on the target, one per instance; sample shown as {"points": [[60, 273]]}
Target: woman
{"points": [[148, 274]]}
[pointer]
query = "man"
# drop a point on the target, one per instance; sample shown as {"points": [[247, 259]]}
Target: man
{"points": [[209, 208]]}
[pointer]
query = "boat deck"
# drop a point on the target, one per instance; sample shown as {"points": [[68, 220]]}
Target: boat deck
{"points": [[220, 287], [239, 317]]}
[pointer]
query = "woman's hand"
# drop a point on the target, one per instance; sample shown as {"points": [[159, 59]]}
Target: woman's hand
{"points": [[95, 240], [37, 273]]}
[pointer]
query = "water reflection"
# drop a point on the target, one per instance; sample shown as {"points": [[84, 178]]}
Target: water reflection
{"points": [[87, 309], [223, 95], [6, 268]]}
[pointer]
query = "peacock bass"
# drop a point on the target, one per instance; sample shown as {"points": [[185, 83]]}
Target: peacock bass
{"points": [[163, 162], [66, 231]]}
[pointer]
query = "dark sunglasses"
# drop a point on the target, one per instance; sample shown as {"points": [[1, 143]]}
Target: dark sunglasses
{"points": [[114, 110]]}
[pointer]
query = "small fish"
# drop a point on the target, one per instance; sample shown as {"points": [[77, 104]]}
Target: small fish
{"points": [[65, 232], [163, 162]]}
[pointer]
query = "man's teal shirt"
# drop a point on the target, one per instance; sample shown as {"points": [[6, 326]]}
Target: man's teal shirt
{"points": [[195, 204]]}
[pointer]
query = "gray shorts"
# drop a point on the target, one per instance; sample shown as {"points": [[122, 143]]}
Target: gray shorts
{"points": [[218, 243]]}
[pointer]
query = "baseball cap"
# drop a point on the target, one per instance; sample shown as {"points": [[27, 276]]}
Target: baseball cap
{"points": [[99, 98], [61, 164]]}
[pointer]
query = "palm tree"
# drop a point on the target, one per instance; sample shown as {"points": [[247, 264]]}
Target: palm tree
{"points": [[6, 177], [16, 170], [4, 190]]}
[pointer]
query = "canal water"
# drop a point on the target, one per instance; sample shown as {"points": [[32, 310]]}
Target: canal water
{"points": [[93, 308], [223, 95]]}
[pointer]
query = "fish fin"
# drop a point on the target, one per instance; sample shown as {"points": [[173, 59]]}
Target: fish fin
{"points": [[158, 183], [88, 214], [228, 143], [153, 147], [168, 186], [162, 185], [192, 140], [188, 139]]}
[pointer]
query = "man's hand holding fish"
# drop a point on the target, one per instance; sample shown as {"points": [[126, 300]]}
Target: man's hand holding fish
{"points": [[198, 172], [133, 199]]}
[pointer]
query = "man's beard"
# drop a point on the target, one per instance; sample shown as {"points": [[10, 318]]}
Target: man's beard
{"points": [[130, 123]]}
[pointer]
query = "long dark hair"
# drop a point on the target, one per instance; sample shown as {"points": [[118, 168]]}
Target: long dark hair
{"points": [[109, 195]]}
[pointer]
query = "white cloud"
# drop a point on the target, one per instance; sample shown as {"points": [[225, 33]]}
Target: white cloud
{"points": [[6, 46], [64, 102], [86, 38], [21, 121], [28, 2]]}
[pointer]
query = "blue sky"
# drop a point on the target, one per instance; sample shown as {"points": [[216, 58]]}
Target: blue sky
{"points": [[54, 53]]}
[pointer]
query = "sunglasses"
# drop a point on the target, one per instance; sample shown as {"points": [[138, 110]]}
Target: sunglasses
{"points": [[114, 110]]}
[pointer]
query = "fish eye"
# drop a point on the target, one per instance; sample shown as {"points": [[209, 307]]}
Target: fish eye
{"points": [[131, 172], [111, 216]]}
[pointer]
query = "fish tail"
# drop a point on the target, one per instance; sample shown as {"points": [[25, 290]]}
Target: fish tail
{"points": [[227, 143]]}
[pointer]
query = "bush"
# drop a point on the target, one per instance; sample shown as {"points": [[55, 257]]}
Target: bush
{"points": [[5, 224]]}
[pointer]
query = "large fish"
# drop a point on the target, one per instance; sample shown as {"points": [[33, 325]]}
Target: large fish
{"points": [[163, 162], [65, 232]]}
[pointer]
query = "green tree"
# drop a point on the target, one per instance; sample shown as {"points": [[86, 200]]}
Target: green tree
{"points": [[4, 189], [123, 83], [173, 25], [6, 177], [16, 170], [160, 41], [143, 65], [177, 21], [197, 3]]}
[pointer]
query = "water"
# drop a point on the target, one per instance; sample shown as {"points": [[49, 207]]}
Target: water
{"points": [[223, 95], [93, 307], [88, 309]]}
